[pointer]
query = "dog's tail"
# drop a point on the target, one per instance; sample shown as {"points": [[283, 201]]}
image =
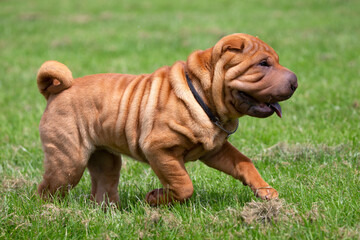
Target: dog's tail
{"points": [[53, 77]]}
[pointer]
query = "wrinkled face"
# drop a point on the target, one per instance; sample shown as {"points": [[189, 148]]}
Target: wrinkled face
{"points": [[254, 81]]}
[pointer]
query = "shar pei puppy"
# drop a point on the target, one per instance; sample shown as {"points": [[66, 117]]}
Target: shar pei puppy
{"points": [[177, 114]]}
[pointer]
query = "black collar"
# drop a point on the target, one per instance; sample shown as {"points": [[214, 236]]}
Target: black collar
{"points": [[207, 110]]}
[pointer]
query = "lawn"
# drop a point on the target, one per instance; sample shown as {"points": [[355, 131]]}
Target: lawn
{"points": [[311, 155]]}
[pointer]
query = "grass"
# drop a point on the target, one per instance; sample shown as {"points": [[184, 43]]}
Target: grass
{"points": [[311, 156]]}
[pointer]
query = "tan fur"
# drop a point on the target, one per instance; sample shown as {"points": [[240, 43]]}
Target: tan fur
{"points": [[154, 118], [53, 77]]}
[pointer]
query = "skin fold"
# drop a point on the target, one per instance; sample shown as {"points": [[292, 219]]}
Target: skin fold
{"points": [[89, 122]]}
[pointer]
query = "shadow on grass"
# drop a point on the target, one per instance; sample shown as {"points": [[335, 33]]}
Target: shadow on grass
{"points": [[202, 198], [131, 195]]}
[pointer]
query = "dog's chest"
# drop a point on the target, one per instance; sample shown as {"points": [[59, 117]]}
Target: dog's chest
{"points": [[199, 150]]}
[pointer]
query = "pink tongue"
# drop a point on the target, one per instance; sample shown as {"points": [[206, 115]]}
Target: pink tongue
{"points": [[276, 107]]}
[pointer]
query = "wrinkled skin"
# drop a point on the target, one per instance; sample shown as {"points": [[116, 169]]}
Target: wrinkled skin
{"points": [[254, 77], [154, 118]]}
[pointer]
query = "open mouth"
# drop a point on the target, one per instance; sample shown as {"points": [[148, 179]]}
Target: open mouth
{"points": [[245, 104]]}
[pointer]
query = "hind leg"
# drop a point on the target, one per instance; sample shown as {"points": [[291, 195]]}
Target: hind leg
{"points": [[64, 166], [104, 169]]}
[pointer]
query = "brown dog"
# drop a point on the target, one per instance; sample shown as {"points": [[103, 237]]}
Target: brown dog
{"points": [[175, 115]]}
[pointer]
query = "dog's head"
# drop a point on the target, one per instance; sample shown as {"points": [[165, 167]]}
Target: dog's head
{"points": [[242, 76]]}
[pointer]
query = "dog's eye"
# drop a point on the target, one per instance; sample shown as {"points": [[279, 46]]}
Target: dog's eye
{"points": [[264, 63]]}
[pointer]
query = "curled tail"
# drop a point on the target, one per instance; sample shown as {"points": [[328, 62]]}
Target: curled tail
{"points": [[53, 77]]}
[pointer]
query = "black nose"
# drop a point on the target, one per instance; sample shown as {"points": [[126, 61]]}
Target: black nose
{"points": [[293, 82]]}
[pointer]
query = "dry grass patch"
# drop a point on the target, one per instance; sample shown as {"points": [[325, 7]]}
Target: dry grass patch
{"points": [[349, 233], [266, 211], [302, 151], [9, 184], [155, 218], [277, 210], [81, 18], [51, 212]]}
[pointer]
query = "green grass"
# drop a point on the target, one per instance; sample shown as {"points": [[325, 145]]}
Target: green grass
{"points": [[312, 155]]}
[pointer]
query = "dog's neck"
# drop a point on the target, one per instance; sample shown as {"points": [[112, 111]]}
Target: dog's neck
{"points": [[200, 69], [201, 72], [203, 90], [214, 119]]}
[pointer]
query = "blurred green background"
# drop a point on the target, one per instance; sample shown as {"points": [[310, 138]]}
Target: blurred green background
{"points": [[311, 155]]}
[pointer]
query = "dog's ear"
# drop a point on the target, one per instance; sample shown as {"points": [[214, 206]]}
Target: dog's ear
{"points": [[233, 45]]}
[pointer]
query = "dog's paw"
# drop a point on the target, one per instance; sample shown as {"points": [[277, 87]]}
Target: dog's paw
{"points": [[158, 197], [266, 193]]}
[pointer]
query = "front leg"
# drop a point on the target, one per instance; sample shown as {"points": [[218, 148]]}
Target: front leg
{"points": [[170, 169], [230, 161]]}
